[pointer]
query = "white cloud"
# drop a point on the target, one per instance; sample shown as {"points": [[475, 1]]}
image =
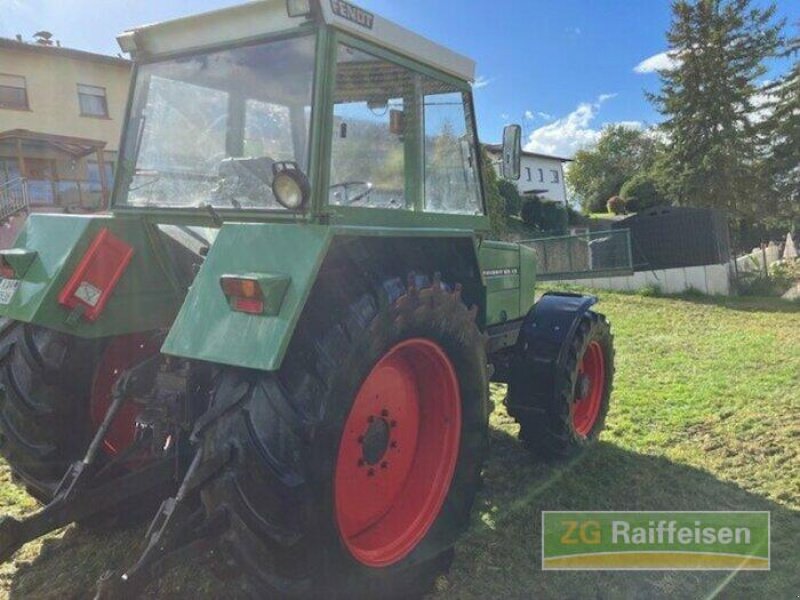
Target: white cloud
{"points": [[545, 116], [505, 117], [529, 116], [567, 135], [762, 103], [663, 61], [481, 81]]}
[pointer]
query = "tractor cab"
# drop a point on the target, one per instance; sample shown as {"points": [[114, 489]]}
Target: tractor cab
{"points": [[301, 110]]}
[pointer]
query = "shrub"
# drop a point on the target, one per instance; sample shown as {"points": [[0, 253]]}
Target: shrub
{"points": [[616, 205], [785, 274], [544, 215], [531, 212], [640, 193], [511, 197]]}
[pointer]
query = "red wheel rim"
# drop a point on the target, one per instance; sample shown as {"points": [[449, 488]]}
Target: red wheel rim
{"points": [[589, 390], [398, 453], [121, 354]]}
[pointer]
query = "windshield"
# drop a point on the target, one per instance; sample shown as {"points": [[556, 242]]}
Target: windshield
{"points": [[207, 129]]}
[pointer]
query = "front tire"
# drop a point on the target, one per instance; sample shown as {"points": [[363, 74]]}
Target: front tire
{"points": [[310, 513], [565, 423]]}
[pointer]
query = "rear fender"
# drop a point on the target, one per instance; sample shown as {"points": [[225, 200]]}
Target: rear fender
{"points": [[541, 349], [207, 329], [47, 258]]}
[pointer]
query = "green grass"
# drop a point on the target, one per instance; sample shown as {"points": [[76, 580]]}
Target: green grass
{"points": [[705, 416]]}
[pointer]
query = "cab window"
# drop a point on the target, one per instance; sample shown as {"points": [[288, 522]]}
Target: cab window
{"points": [[372, 104], [451, 173]]}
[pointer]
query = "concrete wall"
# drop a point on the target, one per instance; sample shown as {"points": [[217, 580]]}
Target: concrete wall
{"points": [[52, 84], [709, 279]]}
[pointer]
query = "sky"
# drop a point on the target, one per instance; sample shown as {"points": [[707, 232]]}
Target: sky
{"points": [[563, 69]]}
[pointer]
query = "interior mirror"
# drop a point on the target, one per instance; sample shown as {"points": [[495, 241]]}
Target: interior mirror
{"points": [[512, 152]]}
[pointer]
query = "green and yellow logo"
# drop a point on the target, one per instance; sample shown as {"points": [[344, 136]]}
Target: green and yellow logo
{"points": [[600, 541]]}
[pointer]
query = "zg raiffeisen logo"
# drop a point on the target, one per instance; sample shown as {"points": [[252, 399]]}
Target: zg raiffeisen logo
{"points": [[655, 541]]}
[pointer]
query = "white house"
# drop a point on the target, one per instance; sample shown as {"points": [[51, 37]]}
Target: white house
{"points": [[540, 175]]}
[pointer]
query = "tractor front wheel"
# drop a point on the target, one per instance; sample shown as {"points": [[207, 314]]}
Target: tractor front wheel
{"points": [[572, 418], [352, 471]]}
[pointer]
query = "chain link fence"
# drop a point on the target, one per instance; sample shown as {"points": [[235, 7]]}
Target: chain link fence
{"points": [[583, 256]]}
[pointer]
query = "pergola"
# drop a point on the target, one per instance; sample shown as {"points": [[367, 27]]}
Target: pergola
{"points": [[72, 147]]}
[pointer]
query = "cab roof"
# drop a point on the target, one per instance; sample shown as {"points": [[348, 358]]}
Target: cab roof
{"points": [[263, 17]]}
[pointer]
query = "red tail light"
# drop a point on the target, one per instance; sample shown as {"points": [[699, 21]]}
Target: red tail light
{"points": [[244, 294]]}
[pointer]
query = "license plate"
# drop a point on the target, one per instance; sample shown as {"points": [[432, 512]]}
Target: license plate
{"points": [[8, 287]]}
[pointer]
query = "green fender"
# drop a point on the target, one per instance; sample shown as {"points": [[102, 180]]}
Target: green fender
{"points": [[48, 250], [208, 329]]}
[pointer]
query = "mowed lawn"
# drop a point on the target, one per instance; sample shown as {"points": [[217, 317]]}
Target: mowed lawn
{"points": [[705, 416]]}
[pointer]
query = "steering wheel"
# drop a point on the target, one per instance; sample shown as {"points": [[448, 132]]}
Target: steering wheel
{"points": [[347, 185]]}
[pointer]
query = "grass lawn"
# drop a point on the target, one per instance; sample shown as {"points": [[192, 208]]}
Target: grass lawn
{"points": [[705, 416]]}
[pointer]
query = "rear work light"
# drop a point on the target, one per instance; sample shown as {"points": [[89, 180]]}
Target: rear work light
{"points": [[255, 294]]}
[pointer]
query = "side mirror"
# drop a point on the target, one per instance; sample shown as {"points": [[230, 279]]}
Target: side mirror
{"points": [[512, 152]]}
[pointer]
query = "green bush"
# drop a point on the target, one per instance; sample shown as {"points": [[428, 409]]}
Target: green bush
{"points": [[785, 274], [616, 205], [511, 197], [544, 215], [640, 193]]}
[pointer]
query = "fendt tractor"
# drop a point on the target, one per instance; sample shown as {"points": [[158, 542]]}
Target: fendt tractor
{"points": [[281, 336]]}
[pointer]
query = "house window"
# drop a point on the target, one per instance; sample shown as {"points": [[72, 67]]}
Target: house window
{"points": [[93, 180], [528, 171], [555, 175], [13, 92], [92, 101], [541, 175]]}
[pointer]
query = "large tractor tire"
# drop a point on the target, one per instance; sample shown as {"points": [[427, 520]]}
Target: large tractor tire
{"points": [[566, 422], [45, 379], [352, 472]]}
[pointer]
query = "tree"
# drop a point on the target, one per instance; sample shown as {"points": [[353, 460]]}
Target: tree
{"points": [[599, 173], [495, 205], [641, 192], [782, 132], [511, 197], [708, 102]]}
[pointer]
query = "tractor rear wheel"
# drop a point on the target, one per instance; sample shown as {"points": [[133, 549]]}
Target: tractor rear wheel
{"points": [[573, 417], [45, 377], [353, 470]]}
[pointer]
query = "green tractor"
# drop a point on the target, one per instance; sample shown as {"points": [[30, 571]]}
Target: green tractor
{"points": [[285, 330]]}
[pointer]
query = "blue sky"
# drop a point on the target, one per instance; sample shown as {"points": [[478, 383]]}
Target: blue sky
{"points": [[562, 68]]}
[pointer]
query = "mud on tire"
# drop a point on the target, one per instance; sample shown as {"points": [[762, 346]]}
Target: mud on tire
{"points": [[282, 431], [45, 377]]}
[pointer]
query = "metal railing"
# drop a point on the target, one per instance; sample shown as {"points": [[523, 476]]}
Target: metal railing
{"points": [[14, 198], [583, 256]]}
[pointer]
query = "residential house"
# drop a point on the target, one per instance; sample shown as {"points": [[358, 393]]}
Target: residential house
{"points": [[540, 175], [61, 115]]}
